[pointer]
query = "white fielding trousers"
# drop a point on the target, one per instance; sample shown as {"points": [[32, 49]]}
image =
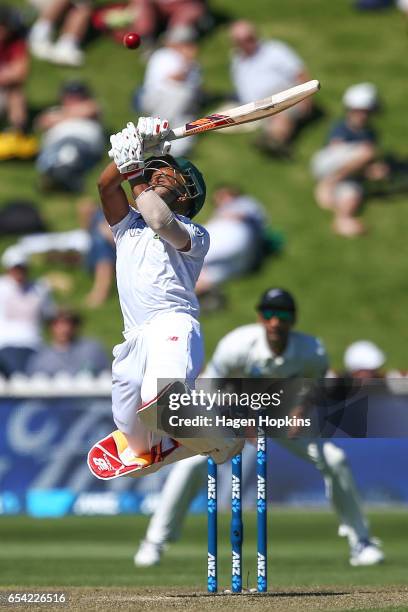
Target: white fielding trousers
{"points": [[187, 477]]}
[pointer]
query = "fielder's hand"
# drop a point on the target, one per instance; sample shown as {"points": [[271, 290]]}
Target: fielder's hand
{"points": [[127, 151], [153, 132]]}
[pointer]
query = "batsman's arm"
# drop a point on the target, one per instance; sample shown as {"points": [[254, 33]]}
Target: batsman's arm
{"points": [[113, 197], [152, 205]]}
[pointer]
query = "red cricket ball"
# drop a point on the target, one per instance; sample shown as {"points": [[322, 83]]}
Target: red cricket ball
{"points": [[131, 40]]}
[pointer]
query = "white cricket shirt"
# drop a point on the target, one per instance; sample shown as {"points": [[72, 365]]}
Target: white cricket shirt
{"points": [[245, 353], [272, 68], [21, 312], [151, 275], [165, 62]]}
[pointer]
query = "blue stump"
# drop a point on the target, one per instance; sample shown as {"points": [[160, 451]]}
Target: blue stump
{"points": [[212, 576], [237, 530], [261, 507]]}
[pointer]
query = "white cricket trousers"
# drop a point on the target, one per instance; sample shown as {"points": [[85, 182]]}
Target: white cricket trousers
{"points": [[166, 347], [187, 477]]}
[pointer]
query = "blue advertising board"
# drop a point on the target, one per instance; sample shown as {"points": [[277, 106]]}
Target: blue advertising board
{"points": [[43, 470]]}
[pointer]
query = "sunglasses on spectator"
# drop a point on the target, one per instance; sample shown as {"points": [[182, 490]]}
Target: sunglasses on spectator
{"points": [[282, 315]]}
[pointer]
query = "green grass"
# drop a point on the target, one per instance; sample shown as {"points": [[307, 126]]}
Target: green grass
{"points": [[303, 551], [346, 289]]}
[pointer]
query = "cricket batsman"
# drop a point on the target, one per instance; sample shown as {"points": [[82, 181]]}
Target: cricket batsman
{"points": [[160, 253], [269, 348]]}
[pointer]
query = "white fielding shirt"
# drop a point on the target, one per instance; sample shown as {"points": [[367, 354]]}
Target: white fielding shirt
{"points": [[245, 353], [165, 62], [272, 68], [152, 276], [21, 312]]}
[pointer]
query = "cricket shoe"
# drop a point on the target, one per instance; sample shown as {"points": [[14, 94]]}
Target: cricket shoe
{"points": [[366, 552], [41, 48], [111, 457], [148, 554], [67, 53]]}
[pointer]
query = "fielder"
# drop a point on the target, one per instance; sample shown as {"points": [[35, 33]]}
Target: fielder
{"points": [[160, 253], [271, 349]]}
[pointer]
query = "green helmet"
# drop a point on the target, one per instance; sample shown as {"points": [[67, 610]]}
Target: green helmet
{"points": [[195, 185]]}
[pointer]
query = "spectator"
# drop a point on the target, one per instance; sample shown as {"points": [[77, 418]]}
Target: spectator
{"points": [[101, 257], [75, 19], [68, 351], [156, 15], [262, 68], [23, 306], [73, 138], [364, 359], [351, 154], [93, 242], [403, 6], [14, 68], [236, 231], [172, 83]]}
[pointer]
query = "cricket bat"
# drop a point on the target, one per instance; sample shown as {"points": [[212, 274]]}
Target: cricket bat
{"points": [[248, 112]]}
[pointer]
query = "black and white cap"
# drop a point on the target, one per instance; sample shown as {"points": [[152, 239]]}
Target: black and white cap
{"points": [[277, 299]]}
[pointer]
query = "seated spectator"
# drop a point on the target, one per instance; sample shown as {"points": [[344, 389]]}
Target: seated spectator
{"points": [[14, 68], [262, 68], [66, 49], [236, 231], [93, 243], [73, 139], [172, 83], [68, 351], [101, 256], [156, 15], [24, 304], [350, 156], [364, 359]]}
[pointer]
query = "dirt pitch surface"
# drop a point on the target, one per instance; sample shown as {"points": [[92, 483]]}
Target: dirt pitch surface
{"points": [[336, 598]]}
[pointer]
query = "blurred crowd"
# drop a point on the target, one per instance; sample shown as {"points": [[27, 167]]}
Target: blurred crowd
{"points": [[66, 140]]}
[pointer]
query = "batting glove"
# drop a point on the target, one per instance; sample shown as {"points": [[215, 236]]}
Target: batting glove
{"points": [[153, 131], [127, 151]]}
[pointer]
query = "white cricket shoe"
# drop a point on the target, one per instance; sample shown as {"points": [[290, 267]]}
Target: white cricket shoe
{"points": [[148, 554], [42, 48], [67, 53], [366, 552]]}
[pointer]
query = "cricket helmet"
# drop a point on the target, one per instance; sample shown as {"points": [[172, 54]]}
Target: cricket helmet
{"points": [[193, 181], [195, 184]]}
